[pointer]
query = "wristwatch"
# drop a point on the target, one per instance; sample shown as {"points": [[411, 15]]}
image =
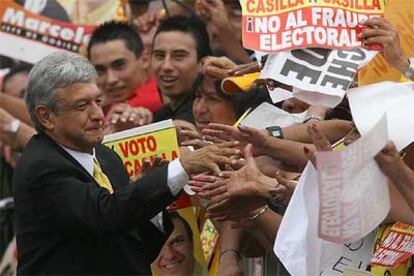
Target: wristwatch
{"points": [[13, 127], [409, 73], [275, 131]]}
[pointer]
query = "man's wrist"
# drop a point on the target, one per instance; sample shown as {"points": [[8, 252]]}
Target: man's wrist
{"points": [[265, 185]]}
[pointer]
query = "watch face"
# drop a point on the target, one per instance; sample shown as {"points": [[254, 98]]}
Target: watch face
{"points": [[276, 133]]}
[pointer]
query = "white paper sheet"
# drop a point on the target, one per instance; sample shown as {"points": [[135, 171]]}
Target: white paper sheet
{"points": [[279, 94], [269, 115], [353, 191], [369, 103], [297, 243]]}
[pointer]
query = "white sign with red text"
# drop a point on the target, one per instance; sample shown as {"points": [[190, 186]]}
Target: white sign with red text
{"points": [[353, 192]]}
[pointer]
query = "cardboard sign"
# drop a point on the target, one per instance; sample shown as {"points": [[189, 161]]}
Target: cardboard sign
{"points": [[21, 31], [278, 25], [322, 75], [353, 192]]}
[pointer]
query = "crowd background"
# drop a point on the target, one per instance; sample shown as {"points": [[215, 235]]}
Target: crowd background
{"points": [[167, 60]]}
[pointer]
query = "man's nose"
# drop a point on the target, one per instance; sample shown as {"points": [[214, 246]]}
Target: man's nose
{"points": [[112, 77], [96, 112], [169, 253], [167, 64]]}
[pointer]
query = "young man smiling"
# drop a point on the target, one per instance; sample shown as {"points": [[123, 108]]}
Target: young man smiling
{"points": [[179, 45], [116, 51]]}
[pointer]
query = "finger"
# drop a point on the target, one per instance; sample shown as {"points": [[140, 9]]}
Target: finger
{"points": [[191, 133], [378, 23], [146, 164], [212, 193], [383, 40], [114, 118], [210, 186], [374, 32], [248, 155], [225, 128], [157, 161], [218, 140], [125, 115], [216, 72], [205, 178], [229, 145], [310, 155], [215, 169], [196, 143]]}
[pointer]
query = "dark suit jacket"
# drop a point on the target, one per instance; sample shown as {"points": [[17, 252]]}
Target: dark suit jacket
{"points": [[68, 224]]}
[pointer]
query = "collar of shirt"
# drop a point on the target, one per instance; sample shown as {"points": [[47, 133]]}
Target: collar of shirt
{"points": [[85, 159]]}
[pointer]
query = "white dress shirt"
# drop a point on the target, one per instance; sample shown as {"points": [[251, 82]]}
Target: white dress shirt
{"points": [[177, 178]]}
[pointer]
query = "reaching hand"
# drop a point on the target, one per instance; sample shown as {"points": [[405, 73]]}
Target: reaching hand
{"points": [[389, 159], [319, 140], [284, 190], [379, 30], [248, 186], [123, 116], [245, 135], [210, 158], [218, 67]]}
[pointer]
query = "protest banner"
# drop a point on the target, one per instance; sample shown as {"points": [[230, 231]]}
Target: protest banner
{"points": [[134, 144], [369, 103], [322, 76], [49, 26], [400, 14], [182, 253], [353, 192], [396, 247], [297, 243], [278, 25], [21, 31]]}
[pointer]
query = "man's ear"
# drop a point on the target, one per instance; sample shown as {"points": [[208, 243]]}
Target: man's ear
{"points": [[45, 116]]}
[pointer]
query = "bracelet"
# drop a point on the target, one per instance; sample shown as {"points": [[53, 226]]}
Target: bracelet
{"points": [[259, 213], [231, 250]]}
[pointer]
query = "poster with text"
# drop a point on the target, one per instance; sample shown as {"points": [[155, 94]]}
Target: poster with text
{"points": [[278, 25], [32, 29], [134, 144]]}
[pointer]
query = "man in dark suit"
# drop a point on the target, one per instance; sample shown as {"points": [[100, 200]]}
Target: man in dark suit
{"points": [[76, 211]]}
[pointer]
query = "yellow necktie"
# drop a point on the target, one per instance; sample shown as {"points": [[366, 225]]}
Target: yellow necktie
{"points": [[101, 178]]}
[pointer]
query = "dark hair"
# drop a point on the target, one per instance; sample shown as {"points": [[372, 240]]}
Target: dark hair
{"points": [[241, 101], [342, 111], [188, 24], [18, 68], [113, 30], [175, 215]]}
